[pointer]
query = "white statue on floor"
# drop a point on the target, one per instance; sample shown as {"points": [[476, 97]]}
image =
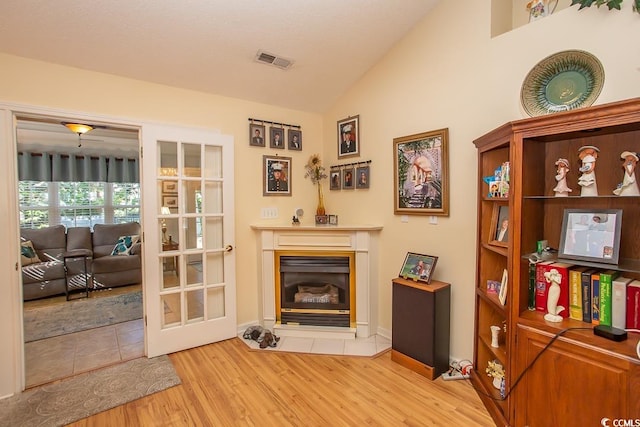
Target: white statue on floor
{"points": [[553, 309], [562, 189], [588, 155], [628, 186]]}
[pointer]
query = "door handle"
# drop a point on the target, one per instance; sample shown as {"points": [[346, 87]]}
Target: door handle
{"points": [[228, 248]]}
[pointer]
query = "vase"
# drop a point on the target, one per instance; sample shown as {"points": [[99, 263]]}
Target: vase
{"points": [[320, 209], [497, 382], [495, 334]]}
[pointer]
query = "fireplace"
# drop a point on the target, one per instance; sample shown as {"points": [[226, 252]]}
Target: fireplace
{"points": [[360, 242], [315, 288]]}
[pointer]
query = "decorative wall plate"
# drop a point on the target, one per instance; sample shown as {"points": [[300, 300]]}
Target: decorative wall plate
{"points": [[563, 81]]}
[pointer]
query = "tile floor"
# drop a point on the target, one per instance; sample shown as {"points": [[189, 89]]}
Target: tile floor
{"points": [[357, 347], [59, 357]]}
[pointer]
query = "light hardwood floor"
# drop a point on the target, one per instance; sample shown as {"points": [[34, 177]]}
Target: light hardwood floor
{"points": [[227, 384]]}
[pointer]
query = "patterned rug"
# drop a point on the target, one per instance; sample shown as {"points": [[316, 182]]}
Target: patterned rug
{"points": [[80, 315], [78, 397]]}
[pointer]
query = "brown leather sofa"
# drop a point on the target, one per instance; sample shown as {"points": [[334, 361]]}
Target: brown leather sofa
{"points": [[47, 275]]}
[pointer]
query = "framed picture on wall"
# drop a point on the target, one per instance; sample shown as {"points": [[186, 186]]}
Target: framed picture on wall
{"points": [[334, 180], [421, 173], [276, 176], [170, 187], [362, 177], [349, 137], [294, 139], [256, 135], [276, 137]]}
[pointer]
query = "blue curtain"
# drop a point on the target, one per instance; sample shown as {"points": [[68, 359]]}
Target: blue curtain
{"points": [[72, 168]]}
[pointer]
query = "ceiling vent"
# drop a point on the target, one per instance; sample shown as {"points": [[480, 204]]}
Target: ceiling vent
{"points": [[270, 59]]}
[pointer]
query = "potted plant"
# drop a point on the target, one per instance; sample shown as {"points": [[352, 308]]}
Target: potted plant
{"points": [[611, 4]]}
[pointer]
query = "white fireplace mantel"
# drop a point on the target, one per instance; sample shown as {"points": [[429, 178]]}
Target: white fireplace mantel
{"points": [[361, 239]]}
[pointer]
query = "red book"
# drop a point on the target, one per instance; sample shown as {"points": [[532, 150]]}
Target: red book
{"points": [[542, 286], [633, 305]]}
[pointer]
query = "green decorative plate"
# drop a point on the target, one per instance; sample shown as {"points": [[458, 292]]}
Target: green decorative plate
{"points": [[563, 81]]}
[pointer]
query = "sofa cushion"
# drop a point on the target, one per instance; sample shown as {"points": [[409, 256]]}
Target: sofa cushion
{"points": [[43, 272], [124, 244], [49, 242], [28, 254], [105, 236], [79, 238]]}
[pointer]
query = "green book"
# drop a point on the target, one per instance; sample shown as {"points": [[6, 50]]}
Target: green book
{"points": [[606, 286]]}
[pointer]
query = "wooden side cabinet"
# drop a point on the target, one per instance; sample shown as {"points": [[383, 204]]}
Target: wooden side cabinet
{"points": [[420, 330]]}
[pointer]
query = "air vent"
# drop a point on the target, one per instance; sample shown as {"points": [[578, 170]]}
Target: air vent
{"points": [[270, 59]]}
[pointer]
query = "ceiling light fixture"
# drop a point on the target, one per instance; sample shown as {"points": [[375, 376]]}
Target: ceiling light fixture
{"points": [[79, 128]]}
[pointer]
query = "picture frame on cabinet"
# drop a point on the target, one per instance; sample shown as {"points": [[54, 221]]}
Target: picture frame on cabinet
{"points": [[500, 225], [591, 235], [418, 267], [421, 173]]}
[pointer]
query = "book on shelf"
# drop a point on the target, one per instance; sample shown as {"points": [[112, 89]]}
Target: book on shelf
{"points": [[531, 296], [542, 286], [606, 288], [633, 305], [619, 302], [575, 292], [595, 298], [586, 295]]}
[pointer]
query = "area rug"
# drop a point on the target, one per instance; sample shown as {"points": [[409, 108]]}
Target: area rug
{"points": [[78, 397], [80, 315]]}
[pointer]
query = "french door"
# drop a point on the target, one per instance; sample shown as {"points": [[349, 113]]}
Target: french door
{"points": [[190, 293]]}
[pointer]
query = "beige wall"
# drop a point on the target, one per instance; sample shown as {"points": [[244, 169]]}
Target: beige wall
{"points": [[447, 73]]}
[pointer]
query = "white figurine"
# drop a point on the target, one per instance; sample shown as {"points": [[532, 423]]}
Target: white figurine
{"points": [[588, 154], [562, 190], [553, 309], [628, 186]]}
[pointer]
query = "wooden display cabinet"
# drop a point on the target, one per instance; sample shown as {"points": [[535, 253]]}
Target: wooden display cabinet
{"points": [[588, 371]]}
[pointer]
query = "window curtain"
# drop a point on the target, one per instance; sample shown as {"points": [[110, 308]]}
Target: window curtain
{"points": [[71, 168]]}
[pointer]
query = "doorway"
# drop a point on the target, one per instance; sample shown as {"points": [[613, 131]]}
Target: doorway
{"points": [[59, 340]]}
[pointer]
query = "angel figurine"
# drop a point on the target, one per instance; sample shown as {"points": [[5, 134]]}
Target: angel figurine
{"points": [[562, 190], [628, 186], [588, 155]]}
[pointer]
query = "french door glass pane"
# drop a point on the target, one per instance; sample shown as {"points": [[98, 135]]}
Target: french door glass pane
{"points": [[168, 158], [214, 236], [195, 305], [191, 159], [212, 162], [215, 268], [215, 302], [171, 310]]}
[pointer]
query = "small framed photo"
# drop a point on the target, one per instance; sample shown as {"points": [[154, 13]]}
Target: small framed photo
{"points": [[347, 179], [170, 201], [421, 173], [502, 294], [334, 181], [276, 174], [170, 187], [493, 287], [322, 219], [256, 135], [362, 177], [333, 219], [349, 137], [418, 267], [276, 137], [294, 138], [591, 235], [500, 225]]}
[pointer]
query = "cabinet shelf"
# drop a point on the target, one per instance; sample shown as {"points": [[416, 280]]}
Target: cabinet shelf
{"points": [[532, 146]]}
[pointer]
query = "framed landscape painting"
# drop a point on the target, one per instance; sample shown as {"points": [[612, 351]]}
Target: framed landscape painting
{"points": [[421, 173]]}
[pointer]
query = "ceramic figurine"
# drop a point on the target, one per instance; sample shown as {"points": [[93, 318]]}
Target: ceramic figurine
{"points": [[562, 190], [553, 309], [588, 155], [628, 186], [540, 8]]}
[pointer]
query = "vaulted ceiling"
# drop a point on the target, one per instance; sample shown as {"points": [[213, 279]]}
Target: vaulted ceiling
{"points": [[211, 45]]}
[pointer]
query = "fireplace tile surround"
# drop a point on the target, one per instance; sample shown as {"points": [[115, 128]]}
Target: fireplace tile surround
{"points": [[362, 240]]}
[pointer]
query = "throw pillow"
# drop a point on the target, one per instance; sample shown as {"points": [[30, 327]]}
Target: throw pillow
{"points": [[124, 245], [28, 254]]}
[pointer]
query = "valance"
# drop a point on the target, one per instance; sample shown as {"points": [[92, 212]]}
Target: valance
{"points": [[76, 168]]}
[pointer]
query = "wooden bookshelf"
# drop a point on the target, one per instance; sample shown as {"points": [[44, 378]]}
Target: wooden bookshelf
{"points": [[578, 360]]}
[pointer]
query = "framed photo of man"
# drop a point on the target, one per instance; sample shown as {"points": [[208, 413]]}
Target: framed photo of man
{"points": [[276, 171], [256, 135], [277, 137], [348, 179], [294, 138], [349, 137], [334, 179]]}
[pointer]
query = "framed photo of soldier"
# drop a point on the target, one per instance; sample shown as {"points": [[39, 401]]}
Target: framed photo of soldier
{"points": [[276, 174], [256, 135], [349, 137]]}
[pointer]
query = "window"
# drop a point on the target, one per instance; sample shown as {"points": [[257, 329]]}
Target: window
{"points": [[77, 204]]}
